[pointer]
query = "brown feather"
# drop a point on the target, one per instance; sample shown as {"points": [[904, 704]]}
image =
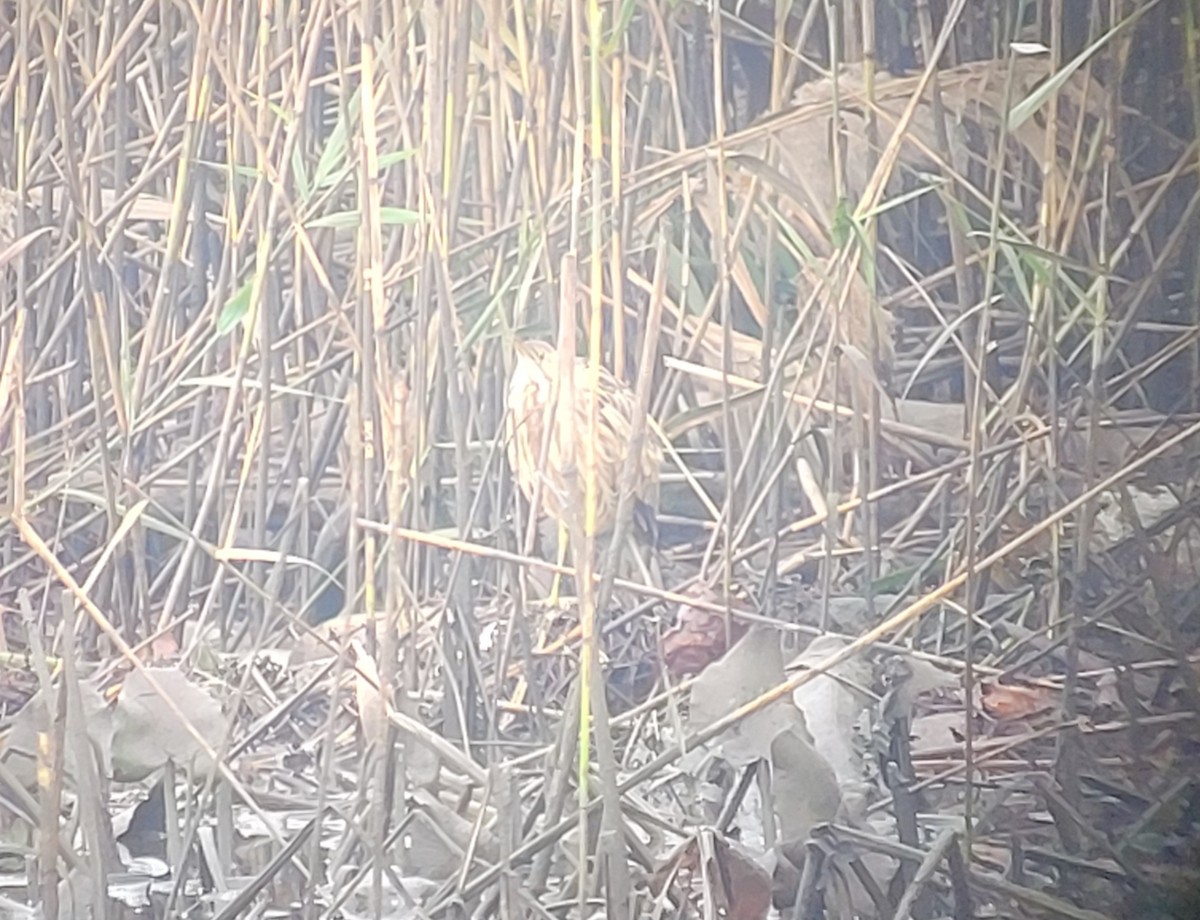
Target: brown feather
{"points": [[530, 389]]}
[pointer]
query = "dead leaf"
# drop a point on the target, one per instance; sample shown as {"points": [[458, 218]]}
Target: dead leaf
{"points": [[1111, 523], [753, 666], [807, 790], [937, 733], [425, 851], [805, 787], [162, 648], [439, 839], [848, 615], [745, 885], [19, 748], [401, 899], [147, 733], [372, 710], [907, 678], [422, 765], [947, 420], [697, 638], [16, 247], [831, 703], [1008, 702], [738, 887]]}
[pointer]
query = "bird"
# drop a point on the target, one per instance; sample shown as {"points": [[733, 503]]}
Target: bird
{"points": [[531, 387]]}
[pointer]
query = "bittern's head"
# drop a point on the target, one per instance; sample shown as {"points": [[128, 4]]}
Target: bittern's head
{"points": [[533, 366], [540, 353]]}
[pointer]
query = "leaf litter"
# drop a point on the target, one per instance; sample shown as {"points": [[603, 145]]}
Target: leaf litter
{"points": [[846, 798]]}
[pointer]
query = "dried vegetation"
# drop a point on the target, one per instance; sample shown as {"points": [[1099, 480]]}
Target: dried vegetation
{"points": [[920, 285]]}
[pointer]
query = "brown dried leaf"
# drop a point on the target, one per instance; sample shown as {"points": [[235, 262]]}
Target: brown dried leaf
{"points": [[739, 888], [696, 640], [162, 648], [746, 886], [1009, 703]]}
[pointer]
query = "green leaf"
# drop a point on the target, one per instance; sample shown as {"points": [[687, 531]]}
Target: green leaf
{"points": [[707, 413], [246, 172], [235, 309], [842, 224], [1040, 253], [331, 166], [793, 243], [396, 156], [389, 217], [935, 182], [894, 582], [1023, 110], [300, 174], [491, 310], [624, 17], [232, 170], [392, 217]]}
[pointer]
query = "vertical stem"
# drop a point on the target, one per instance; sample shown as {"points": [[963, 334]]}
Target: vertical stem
{"points": [[1191, 46], [870, 450], [616, 210], [724, 302], [976, 434], [374, 371], [958, 247]]}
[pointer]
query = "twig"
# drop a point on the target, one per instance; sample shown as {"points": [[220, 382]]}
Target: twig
{"points": [[946, 840]]}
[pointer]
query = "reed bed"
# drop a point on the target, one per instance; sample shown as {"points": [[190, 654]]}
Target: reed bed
{"points": [[920, 288]]}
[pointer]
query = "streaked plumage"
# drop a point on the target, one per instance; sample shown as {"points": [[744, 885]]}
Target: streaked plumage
{"points": [[529, 391]]}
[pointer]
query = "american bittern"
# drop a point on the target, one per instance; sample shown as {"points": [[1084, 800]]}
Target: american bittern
{"points": [[530, 389]]}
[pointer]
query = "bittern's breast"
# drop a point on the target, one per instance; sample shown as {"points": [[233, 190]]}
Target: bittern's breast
{"points": [[529, 392]]}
